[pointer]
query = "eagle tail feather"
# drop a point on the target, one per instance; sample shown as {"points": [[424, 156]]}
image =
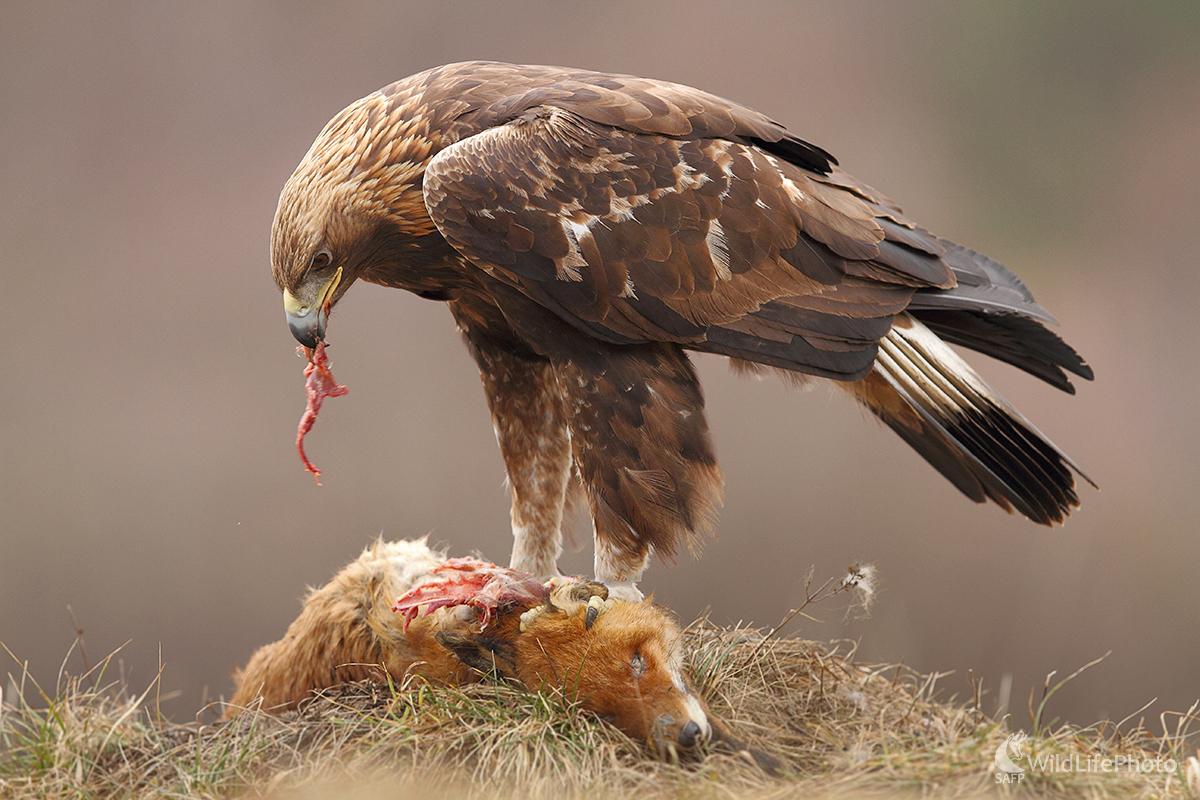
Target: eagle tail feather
{"points": [[941, 407]]}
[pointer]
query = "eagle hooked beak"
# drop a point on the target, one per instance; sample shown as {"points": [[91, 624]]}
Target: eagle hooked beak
{"points": [[307, 320]]}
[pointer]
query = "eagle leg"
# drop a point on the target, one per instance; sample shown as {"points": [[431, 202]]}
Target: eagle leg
{"points": [[641, 444], [528, 416]]}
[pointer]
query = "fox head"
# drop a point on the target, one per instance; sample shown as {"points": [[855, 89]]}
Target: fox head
{"points": [[621, 660]]}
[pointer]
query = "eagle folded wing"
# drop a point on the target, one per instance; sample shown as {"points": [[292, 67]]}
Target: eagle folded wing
{"points": [[710, 243]]}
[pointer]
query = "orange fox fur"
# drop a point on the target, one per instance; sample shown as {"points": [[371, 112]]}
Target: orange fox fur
{"points": [[626, 666]]}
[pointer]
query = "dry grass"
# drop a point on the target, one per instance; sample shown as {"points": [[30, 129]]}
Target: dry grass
{"points": [[840, 727]]}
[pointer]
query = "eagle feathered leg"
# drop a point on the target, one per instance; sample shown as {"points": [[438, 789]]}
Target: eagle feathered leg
{"points": [[529, 419], [642, 447], [629, 417]]}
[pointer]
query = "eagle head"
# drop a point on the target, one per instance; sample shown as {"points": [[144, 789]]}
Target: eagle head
{"points": [[352, 209]]}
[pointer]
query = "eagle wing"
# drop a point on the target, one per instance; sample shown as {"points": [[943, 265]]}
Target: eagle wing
{"points": [[643, 211], [719, 245]]}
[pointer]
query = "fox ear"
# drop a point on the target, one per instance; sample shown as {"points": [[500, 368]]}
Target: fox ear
{"points": [[491, 657]]}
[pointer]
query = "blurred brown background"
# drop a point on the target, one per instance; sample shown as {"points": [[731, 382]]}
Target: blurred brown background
{"points": [[149, 393]]}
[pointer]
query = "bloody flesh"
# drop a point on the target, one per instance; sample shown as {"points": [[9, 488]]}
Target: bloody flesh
{"points": [[470, 582], [319, 385]]}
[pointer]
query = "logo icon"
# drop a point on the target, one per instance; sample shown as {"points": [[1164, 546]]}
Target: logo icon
{"points": [[1005, 757]]}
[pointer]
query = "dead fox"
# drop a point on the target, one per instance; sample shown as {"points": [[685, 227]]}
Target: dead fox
{"points": [[621, 660]]}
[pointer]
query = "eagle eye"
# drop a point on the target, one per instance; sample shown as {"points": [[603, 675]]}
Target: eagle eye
{"points": [[321, 260]]}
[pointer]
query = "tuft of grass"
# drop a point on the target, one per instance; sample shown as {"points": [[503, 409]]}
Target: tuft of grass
{"points": [[841, 728]]}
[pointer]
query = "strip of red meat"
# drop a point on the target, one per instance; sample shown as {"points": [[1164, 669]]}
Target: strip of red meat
{"points": [[319, 385]]}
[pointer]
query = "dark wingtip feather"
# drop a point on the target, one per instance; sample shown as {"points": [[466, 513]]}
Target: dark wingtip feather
{"points": [[1016, 339]]}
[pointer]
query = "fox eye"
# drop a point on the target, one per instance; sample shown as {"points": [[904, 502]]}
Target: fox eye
{"points": [[321, 260], [638, 665]]}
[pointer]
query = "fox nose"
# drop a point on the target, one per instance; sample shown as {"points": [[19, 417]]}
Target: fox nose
{"points": [[689, 735]]}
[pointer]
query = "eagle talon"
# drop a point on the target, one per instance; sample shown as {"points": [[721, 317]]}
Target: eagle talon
{"points": [[594, 606]]}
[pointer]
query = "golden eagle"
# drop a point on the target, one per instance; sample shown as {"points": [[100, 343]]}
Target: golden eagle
{"points": [[588, 229]]}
